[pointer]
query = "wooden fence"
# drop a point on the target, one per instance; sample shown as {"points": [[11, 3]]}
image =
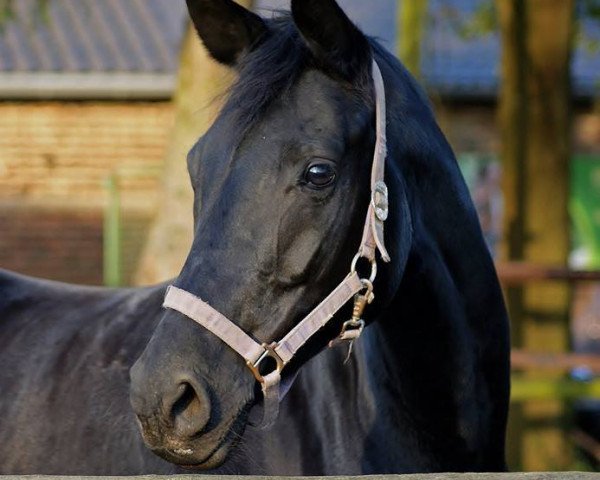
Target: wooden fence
{"points": [[434, 476]]}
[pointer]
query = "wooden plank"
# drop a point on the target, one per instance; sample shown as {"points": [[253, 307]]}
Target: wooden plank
{"points": [[557, 362], [520, 273], [432, 476]]}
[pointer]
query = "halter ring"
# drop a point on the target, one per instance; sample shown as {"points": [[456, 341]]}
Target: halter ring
{"points": [[373, 262]]}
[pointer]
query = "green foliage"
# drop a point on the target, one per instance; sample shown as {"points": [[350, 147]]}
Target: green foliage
{"points": [[590, 45], [591, 8], [8, 12], [482, 22]]}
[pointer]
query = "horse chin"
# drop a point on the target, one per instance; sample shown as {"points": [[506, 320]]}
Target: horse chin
{"points": [[214, 460], [203, 453], [187, 459]]}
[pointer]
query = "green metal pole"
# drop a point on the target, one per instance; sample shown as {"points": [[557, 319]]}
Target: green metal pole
{"points": [[411, 19], [112, 233]]}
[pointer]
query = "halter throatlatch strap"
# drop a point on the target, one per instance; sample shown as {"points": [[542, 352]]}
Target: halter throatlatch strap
{"points": [[282, 352]]}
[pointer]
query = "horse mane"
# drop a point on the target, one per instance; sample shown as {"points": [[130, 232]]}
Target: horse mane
{"points": [[271, 69]]}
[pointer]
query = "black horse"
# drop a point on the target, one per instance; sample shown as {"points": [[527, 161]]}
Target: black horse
{"points": [[281, 185]]}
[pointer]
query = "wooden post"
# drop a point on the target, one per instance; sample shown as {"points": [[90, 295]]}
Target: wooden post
{"points": [[535, 122]]}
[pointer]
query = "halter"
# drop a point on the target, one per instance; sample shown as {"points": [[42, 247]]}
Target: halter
{"points": [[283, 351]]}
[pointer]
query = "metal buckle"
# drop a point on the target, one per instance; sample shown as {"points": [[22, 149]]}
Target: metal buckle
{"points": [[380, 201], [269, 352]]}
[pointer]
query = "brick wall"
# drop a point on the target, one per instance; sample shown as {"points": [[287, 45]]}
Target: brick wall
{"points": [[64, 151], [64, 244], [54, 160]]}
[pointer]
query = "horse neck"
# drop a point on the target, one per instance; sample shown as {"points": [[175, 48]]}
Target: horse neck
{"points": [[438, 352], [439, 348]]}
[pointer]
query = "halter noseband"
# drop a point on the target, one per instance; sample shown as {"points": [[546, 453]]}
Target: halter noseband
{"points": [[282, 352]]}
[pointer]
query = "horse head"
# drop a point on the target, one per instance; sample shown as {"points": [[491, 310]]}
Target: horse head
{"points": [[283, 182]]}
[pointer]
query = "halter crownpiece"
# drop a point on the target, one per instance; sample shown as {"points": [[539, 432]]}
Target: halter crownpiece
{"points": [[361, 289]]}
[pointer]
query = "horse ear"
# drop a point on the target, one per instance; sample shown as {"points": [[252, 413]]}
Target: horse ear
{"points": [[332, 37], [227, 29]]}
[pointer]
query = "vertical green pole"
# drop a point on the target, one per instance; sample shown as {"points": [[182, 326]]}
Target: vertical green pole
{"points": [[411, 18], [112, 233]]}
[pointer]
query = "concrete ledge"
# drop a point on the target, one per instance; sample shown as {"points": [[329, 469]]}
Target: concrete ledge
{"points": [[434, 476], [86, 86]]}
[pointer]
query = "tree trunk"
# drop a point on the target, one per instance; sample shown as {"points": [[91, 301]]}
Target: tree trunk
{"points": [[201, 81], [535, 122]]}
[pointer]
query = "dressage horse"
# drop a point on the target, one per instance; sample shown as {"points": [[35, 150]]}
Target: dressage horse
{"points": [[292, 179]]}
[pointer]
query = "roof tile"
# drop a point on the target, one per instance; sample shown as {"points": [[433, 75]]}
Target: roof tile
{"points": [[94, 36], [144, 36]]}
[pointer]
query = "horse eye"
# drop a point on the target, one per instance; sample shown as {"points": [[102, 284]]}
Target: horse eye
{"points": [[319, 175]]}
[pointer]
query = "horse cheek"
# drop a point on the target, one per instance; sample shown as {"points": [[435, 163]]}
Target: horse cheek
{"points": [[296, 259]]}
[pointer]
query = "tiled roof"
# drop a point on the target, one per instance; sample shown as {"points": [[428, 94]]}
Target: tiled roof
{"points": [[93, 36], [93, 45], [135, 43]]}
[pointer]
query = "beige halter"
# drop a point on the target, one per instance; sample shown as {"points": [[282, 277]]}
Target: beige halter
{"points": [[282, 352]]}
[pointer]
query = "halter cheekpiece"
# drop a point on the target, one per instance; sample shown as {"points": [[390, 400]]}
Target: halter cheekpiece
{"points": [[361, 289]]}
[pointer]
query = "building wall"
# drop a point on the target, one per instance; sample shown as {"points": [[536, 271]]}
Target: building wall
{"points": [[54, 162]]}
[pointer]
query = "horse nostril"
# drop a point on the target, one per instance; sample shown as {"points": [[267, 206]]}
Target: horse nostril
{"points": [[186, 400], [191, 410]]}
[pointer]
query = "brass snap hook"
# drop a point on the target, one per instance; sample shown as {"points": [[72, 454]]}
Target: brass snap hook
{"points": [[361, 300]]}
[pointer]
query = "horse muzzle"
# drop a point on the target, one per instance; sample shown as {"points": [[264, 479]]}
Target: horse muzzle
{"points": [[182, 419]]}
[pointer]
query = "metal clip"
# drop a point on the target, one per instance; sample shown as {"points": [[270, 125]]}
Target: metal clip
{"points": [[353, 328], [361, 300], [351, 331]]}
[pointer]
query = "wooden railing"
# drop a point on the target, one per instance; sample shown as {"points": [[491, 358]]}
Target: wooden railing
{"points": [[433, 476], [520, 273], [557, 385]]}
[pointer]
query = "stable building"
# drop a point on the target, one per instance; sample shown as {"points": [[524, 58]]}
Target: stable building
{"points": [[85, 97]]}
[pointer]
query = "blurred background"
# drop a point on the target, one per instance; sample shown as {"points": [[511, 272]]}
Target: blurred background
{"points": [[101, 100]]}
